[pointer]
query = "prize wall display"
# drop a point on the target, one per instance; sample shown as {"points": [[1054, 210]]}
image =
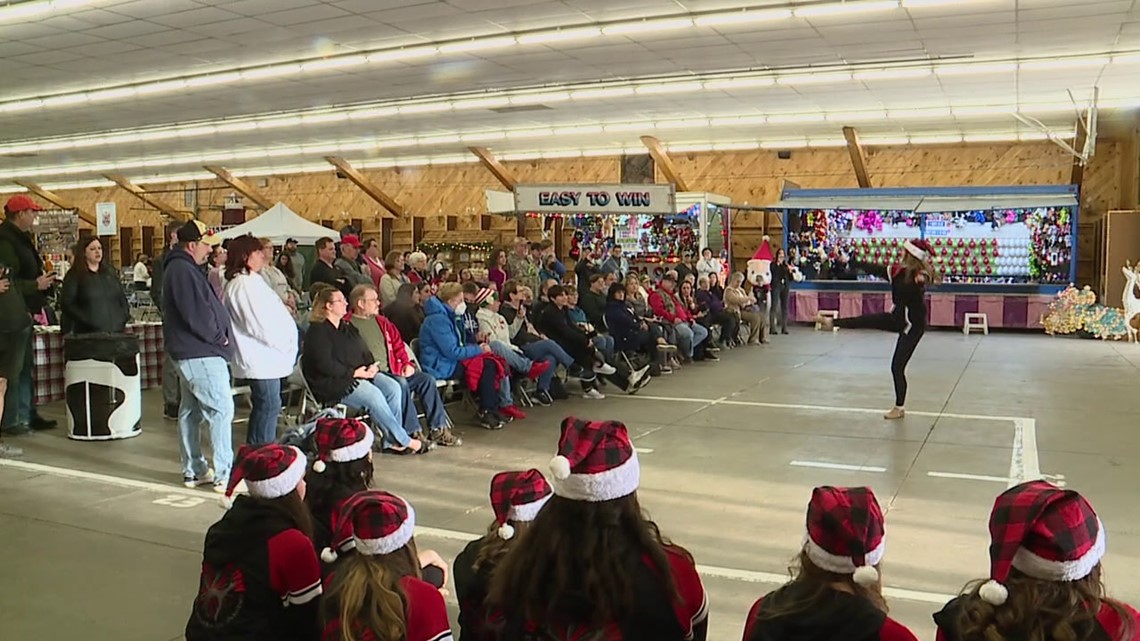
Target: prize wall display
{"points": [[998, 246]]}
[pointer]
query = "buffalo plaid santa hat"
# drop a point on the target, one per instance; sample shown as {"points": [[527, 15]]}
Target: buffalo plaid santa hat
{"points": [[341, 440], [372, 523], [1045, 532], [270, 471], [518, 497], [919, 248], [845, 532], [595, 462]]}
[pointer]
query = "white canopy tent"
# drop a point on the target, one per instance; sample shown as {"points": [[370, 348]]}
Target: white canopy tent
{"points": [[278, 224]]}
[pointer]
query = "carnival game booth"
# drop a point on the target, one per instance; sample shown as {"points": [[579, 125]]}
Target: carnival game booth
{"points": [[654, 225], [1003, 251]]}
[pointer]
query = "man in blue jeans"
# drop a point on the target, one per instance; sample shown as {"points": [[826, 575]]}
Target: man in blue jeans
{"points": [[197, 335]]}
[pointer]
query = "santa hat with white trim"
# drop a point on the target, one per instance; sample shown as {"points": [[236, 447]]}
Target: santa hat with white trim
{"points": [[595, 462], [518, 497], [919, 248], [845, 532], [1043, 531], [373, 523], [341, 440], [270, 471], [764, 251]]}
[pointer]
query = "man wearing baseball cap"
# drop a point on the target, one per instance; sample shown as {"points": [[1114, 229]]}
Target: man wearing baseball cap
{"points": [[25, 268], [198, 336]]}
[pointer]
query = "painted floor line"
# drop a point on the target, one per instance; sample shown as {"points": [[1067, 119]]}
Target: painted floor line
{"points": [[826, 408], [751, 576], [103, 478], [838, 466], [970, 477], [644, 450]]}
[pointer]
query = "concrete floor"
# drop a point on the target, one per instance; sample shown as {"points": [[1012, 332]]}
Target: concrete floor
{"points": [[99, 541]]}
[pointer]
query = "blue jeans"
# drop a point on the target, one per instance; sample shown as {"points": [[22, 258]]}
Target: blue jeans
{"points": [[18, 399], [382, 398], [266, 398], [604, 343], [206, 396], [547, 350], [422, 384], [689, 337]]}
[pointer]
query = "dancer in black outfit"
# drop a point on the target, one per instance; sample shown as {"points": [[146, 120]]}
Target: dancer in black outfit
{"points": [[907, 317]]}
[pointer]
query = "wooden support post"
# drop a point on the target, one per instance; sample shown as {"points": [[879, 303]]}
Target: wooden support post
{"points": [[1077, 177], [365, 185], [664, 162], [148, 198], [385, 235], [1130, 169], [417, 231], [496, 168], [858, 158], [56, 199], [242, 187]]}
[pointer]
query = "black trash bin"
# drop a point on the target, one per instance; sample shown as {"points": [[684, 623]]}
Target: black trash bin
{"points": [[102, 386]]}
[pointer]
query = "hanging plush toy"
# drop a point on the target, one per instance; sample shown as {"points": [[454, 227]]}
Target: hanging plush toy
{"points": [[575, 245]]}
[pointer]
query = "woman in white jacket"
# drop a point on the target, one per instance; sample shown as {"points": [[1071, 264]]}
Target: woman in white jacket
{"points": [[265, 336]]}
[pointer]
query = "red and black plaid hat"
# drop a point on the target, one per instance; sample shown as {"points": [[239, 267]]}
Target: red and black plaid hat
{"points": [[341, 440], [845, 532], [595, 462], [919, 248], [518, 496], [373, 523], [1045, 532], [270, 471]]}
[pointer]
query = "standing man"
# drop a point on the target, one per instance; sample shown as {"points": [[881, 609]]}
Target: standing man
{"points": [[348, 264], [297, 260], [324, 270], [19, 255], [171, 396], [520, 267], [198, 336]]}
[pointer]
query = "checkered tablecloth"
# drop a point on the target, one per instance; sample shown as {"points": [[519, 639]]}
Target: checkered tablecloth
{"points": [[48, 355], [943, 309]]}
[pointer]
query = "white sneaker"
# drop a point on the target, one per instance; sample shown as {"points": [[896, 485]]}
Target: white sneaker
{"points": [[638, 379], [205, 479], [10, 451], [605, 369], [593, 394]]}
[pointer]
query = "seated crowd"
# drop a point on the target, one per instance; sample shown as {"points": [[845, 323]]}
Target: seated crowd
{"points": [[314, 552]]}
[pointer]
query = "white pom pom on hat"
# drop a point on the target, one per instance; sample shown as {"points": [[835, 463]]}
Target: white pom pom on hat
{"points": [[506, 532], [328, 555], [319, 466], [560, 467], [993, 592], [866, 576]]}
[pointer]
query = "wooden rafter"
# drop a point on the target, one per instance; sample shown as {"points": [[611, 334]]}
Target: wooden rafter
{"points": [[56, 199], [664, 162], [858, 157], [149, 198], [242, 187], [1077, 177], [365, 185], [492, 164]]}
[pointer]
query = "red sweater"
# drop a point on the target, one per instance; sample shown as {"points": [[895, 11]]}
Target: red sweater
{"points": [[674, 313]]}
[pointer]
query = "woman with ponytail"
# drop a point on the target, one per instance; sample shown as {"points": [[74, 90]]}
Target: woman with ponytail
{"points": [[516, 498], [377, 594], [1046, 582], [836, 589]]}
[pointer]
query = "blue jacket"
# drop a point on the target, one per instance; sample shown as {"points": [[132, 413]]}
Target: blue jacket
{"points": [[442, 340], [195, 324]]}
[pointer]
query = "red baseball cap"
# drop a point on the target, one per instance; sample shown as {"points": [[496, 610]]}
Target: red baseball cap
{"points": [[351, 239], [21, 202]]}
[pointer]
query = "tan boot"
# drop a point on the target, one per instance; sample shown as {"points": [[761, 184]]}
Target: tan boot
{"points": [[895, 414]]}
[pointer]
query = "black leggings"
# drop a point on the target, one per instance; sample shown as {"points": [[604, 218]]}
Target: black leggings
{"points": [[904, 347]]}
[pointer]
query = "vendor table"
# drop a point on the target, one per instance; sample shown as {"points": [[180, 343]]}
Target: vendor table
{"points": [[944, 309], [48, 370]]}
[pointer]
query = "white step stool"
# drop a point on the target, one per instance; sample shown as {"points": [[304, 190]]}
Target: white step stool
{"points": [[827, 313], [976, 321]]}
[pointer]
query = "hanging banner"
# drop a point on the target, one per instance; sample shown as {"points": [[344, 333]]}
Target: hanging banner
{"points": [[596, 199], [106, 219]]}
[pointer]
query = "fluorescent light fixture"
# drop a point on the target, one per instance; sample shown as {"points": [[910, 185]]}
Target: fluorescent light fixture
{"points": [[1129, 59], [338, 62], [523, 155], [790, 143], [787, 119], [192, 132], [111, 94], [893, 74], [844, 8], [813, 78], [332, 116], [940, 139], [278, 123], [484, 136], [425, 108], [21, 105], [438, 140], [606, 92], [583, 130], [560, 35], [482, 103], [408, 53], [740, 83], [736, 121], [167, 86], [623, 127], [540, 132], [856, 116], [568, 153], [972, 69], [593, 153], [982, 110], [213, 79], [478, 44], [735, 146], [540, 98], [914, 4], [827, 142], [883, 141], [1059, 64], [1048, 108], [742, 17], [65, 99], [689, 148], [272, 71], [682, 124], [669, 87], [371, 113], [647, 26], [395, 143], [991, 137], [28, 10], [918, 112]]}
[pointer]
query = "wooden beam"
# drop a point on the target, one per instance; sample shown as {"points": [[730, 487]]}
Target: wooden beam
{"points": [[858, 158], [664, 162], [496, 168], [55, 199], [365, 185], [148, 198], [242, 187]]}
